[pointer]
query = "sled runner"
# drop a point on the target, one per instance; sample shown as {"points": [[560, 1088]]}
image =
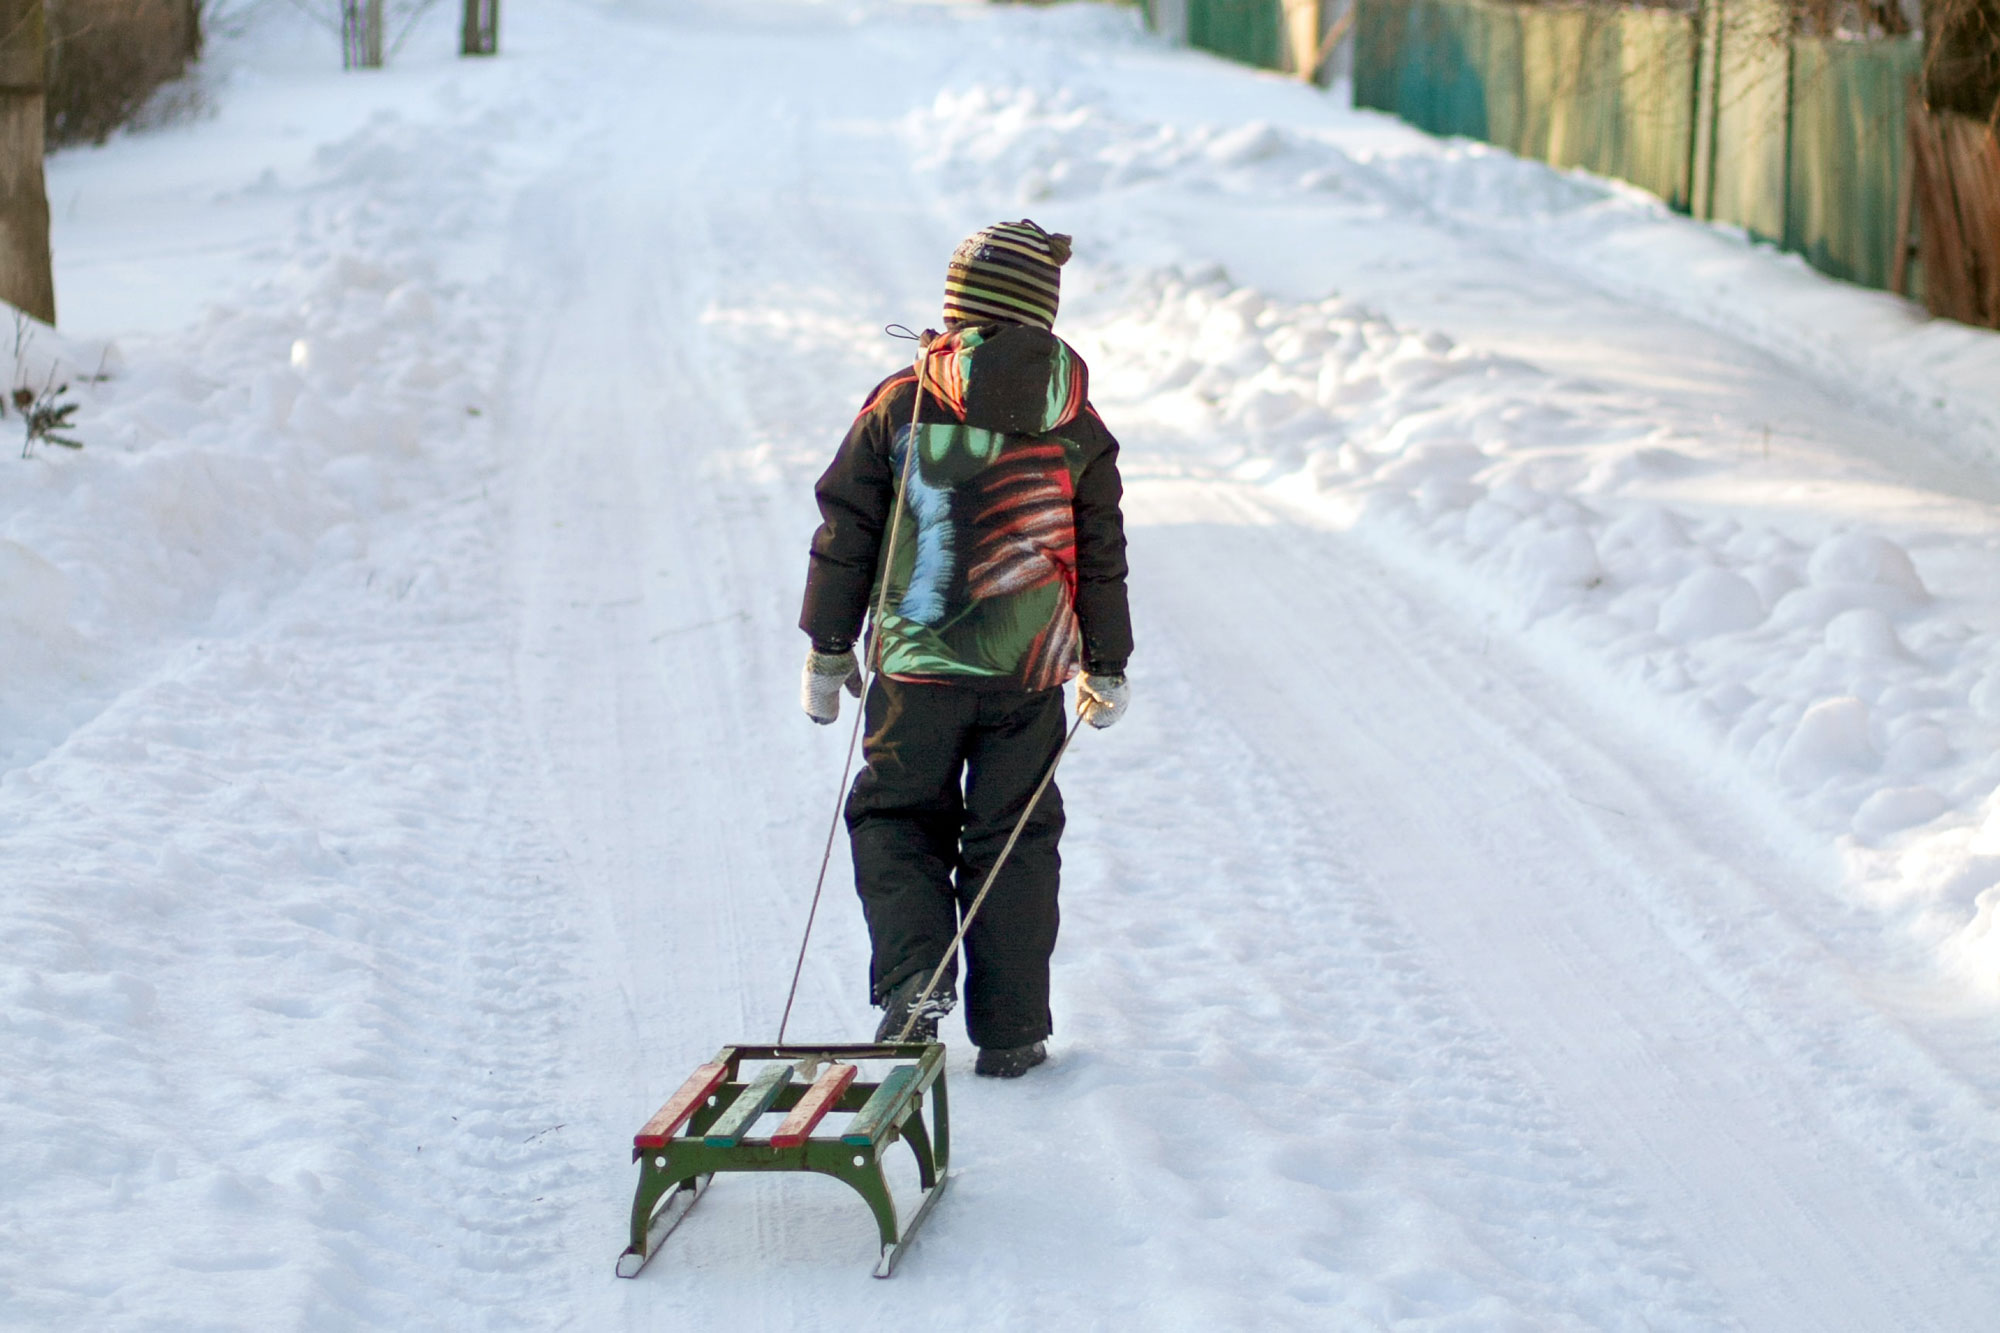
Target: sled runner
{"points": [[710, 1125]]}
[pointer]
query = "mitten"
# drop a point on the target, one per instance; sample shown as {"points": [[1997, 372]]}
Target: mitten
{"points": [[1102, 699], [825, 674]]}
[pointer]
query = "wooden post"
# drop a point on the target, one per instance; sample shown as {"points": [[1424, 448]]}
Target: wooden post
{"points": [[1302, 36], [1310, 39], [481, 33], [27, 278]]}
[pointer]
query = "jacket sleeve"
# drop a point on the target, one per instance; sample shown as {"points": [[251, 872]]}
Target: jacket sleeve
{"points": [[1101, 611], [854, 494]]}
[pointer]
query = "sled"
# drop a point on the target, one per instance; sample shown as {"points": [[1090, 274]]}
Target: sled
{"points": [[709, 1126]]}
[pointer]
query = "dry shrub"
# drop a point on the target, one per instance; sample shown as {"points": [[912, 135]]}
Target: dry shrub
{"points": [[1962, 57], [107, 56], [1853, 19]]}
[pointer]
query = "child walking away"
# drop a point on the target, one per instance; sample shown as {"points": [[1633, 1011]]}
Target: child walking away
{"points": [[1006, 573]]}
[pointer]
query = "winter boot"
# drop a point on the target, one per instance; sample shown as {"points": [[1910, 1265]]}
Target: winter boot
{"points": [[1009, 1061], [902, 1002]]}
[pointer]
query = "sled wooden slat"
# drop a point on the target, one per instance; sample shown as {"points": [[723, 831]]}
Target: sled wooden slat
{"points": [[752, 1102], [700, 1086], [812, 1107], [884, 1108]]}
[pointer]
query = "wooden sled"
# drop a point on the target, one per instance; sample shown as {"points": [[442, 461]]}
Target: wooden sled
{"points": [[709, 1126]]}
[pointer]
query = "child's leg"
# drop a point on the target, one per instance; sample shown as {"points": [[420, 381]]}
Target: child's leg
{"points": [[1007, 950], [903, 820]]}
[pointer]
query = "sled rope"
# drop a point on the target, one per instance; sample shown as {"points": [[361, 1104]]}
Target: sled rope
{"points": [[965, 922], [873, 666]]}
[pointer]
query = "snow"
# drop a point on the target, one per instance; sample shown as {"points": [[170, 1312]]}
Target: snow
{"points": [[1549, 876]]}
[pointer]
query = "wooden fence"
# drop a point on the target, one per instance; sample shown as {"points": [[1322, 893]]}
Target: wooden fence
{"points": [[1957, 189], [1722, 113], [1812, 143], [1846, 158], [1295, 36], [1609, 90]]}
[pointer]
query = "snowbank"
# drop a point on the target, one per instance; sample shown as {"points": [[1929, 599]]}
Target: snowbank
{"points": [[381, 849], [222, 463], [1843, 654], [245, 758]]}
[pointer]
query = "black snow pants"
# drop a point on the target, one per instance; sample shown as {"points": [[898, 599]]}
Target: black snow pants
{"points": [[948, 771]]}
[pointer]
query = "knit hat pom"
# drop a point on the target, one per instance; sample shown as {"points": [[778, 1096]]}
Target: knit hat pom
{"points": [[1059, 248]]}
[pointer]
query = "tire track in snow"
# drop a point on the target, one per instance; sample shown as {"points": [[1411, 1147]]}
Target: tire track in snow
{"points": [[336, 1097], [1278, 1104], [1659, 1054], [659, 529]]}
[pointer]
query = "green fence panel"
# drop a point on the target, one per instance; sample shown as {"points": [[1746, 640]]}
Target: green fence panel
{"points": [[1610, 91], [1848, 146], [1378, 53], [1425, 61], [1655, 87], [1752, 100], [1802, 141], [1510, 102], [1451, 80], [1248, 30], [1607, 90]]}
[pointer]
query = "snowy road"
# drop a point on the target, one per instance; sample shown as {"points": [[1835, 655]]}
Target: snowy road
{"points": [[1426, 964]]}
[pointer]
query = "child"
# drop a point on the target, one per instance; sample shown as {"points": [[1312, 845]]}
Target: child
{"points": [[1007, 572]]}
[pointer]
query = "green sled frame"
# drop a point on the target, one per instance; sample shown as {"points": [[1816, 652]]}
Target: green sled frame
{"points": [[704, 1128]]}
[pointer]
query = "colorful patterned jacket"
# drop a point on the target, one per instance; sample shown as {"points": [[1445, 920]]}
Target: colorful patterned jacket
{"points": [[1009, 565]]}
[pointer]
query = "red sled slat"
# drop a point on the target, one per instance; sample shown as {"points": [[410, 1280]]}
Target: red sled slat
{"points": [[812, 1107], [701, 1084]]}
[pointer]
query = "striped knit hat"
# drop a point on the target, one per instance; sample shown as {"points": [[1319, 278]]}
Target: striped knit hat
{"points": [[1011, 272]]}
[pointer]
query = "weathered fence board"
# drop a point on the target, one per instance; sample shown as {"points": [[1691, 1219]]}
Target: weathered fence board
{"points": [[1848, 153], [1252, 31], [1607, 90], [1957, 181], [1752, 93], [1797, 140]]}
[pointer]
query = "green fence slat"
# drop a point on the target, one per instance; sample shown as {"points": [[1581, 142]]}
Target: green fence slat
{"points": [[1251, 31], [1848, 145]]}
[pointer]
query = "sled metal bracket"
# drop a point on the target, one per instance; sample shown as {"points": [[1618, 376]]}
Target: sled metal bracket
{"points": [[708, 1127]]}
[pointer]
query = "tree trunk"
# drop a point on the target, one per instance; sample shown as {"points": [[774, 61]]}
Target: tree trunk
{"points": [[481, 34], [26, 277], [361, 34]]}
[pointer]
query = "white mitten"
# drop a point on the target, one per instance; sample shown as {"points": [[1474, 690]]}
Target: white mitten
{"points": [[1102, 699], [825, 675]]}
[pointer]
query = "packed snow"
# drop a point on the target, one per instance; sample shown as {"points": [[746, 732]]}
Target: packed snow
{"points": [[1549, 877]]}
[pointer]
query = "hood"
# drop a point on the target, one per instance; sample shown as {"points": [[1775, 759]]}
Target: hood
{"points": [[1011, 379]]}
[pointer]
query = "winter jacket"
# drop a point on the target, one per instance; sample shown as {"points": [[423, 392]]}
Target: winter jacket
{"points": [[1010, 562]]}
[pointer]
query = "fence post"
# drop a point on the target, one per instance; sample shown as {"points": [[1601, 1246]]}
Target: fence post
{"points": [[1301, 36], [27, 278], [1707, 95]]}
